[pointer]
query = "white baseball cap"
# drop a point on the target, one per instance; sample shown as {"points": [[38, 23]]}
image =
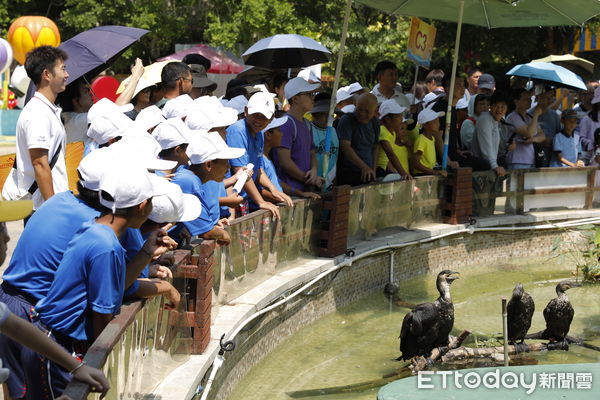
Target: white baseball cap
{"points": [[276, 123], [462, 103], [309, 75], [148, 118], [343, 93], [390, 106], [299, 85], [143, 150], [427, 114], [355, 87], [262, 103], [347, 109], [238, 103], [127, 184], [431, 97], [92, 166], [174, 205], [412, 99], [107, 108], [209, 147], [104, 128], [209, 117], [177, 107], [170, 133]]}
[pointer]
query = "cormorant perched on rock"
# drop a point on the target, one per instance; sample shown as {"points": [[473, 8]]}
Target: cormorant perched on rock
{"points": [[520, 310], [428, 325], [559, 314]]}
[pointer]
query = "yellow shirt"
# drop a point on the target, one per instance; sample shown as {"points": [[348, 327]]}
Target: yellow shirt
{"points": [[401, 152], [427, 147]]}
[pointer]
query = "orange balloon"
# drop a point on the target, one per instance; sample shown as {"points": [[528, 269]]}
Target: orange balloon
{"points": [[27, 33]]}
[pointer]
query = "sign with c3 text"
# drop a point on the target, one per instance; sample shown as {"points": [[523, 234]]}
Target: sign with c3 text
{"points": [[420, 42]]}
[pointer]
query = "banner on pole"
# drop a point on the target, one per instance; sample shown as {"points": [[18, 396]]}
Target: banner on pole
{"points": [[420, 42]]}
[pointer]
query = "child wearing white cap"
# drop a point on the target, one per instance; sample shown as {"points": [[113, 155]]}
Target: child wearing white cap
{"points": [[88, 286], [208, 155], [247, 134], [424, 156], [394, 145]]}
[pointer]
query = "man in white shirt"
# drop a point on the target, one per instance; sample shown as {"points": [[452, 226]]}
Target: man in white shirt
{"points": [[388, 87], [40, 131]]}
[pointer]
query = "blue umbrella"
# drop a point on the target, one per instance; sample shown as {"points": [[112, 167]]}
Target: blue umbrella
{"points": [[286, 51], [549, 73], [94, 50]]}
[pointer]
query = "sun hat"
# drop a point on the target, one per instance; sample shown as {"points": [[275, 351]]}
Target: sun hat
{"points": [[299, 85], [427, 114], [390, 106], [209, 147], [238, 103], [104, 128], [200, 79], [170, 133], [262, 103], [174, 205]]}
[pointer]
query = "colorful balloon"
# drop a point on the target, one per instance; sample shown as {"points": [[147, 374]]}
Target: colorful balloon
{"points": [[6, 55], [27, 33]]}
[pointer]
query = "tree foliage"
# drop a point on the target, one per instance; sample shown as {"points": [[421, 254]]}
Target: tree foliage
{"points": [[234, 25]]}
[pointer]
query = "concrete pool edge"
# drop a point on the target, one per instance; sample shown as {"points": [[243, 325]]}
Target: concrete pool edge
{"points": [[235, 312]]}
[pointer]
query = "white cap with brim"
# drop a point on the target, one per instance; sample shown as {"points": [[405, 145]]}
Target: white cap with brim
{"points": [[170, 133], [177, 107], [174, 205], [143, 149], [262, 103], [92, 166], [347, 109], [343, 93], [209, 147], [355, 87], [309, 75], [431, 97], [149, 118], [104, 128], [427, 114], [207, 117], [299, 85], [462, 104], [238, 103], [127, 184], [276, 123], [390, 106], [105, 107]]}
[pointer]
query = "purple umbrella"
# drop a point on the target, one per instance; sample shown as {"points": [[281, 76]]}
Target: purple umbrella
{"points": [[94, 50]]}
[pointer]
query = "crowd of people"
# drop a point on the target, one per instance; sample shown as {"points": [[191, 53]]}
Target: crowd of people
{"points": [[168, 162]]}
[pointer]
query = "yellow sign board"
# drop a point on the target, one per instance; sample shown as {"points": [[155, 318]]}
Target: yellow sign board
{"points": [[420, 42]]}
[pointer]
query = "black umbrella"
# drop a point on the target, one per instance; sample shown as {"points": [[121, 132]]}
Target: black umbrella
{"points": [[286, 51], [94, 50]]}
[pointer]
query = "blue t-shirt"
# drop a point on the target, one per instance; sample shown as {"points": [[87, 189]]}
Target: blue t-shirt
{"points": [[239, 136], [90, 277], [568, 146], [208, 194], [271, 173], [132, 241], [43, 242]]}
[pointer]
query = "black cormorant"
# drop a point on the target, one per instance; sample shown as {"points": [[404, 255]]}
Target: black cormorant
{"points": [[520, 310], [559, 314], [428, 325]]}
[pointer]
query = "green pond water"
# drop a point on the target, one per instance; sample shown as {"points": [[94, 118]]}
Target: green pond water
{"points": [[359, 342]]}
